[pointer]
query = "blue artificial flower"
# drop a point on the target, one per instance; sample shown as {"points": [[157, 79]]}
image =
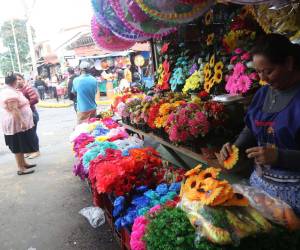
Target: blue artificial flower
{"points": [[162, 189], [151, 194], [118, 224], [143, 211], [119, 206], [175, 187], [141, 189], [141, 201]]}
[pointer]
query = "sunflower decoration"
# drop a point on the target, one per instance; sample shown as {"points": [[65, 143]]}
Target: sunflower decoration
{"points": [[205, 187], [210, 39], [206, 67], [219, 66], [207, 87], [232, 159], [208, 18], [218, 77], [207, 75], [262, 82], [212, 61]]}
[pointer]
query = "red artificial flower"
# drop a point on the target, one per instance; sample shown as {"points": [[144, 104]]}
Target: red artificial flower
{"points": [[203, 94], [164, 48]]}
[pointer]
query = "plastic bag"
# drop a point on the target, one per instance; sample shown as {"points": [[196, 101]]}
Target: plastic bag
{"points": [[224, 225], [94, 215], [271, 208]]}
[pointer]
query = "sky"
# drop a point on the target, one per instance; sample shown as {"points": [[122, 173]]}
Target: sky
{"points": [[49, 16]]}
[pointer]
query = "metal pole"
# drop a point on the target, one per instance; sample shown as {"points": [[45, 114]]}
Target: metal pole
{"points": [[29, 36], [11, 59], [16, 45]]}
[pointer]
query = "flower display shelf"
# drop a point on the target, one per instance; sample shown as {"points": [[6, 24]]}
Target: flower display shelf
{"points": [[173, 149]]}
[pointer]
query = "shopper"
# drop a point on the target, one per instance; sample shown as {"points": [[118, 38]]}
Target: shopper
{"points": [[71, 95], [85, 88], [17, 123], [272, 134], [40, 85], [33, 99]]}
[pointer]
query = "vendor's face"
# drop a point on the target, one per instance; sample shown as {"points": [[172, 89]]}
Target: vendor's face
{"points": [[276, 75], [20, 82]]}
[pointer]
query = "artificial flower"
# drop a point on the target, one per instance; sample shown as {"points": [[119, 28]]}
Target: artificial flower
{"points": [[232, 159], [206, 67], [164, 48], [212, 61], [210, 39], [262, 82], [208, 18], [193, 82], [218, 76], [219, 66], [207, 87], [208, 74], [246, 56]]}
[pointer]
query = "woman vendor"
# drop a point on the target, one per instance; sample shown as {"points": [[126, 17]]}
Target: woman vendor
{"points": [[272, 133]]}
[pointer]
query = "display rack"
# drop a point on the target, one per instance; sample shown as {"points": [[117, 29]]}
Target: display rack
{"points": [[173, 149]]}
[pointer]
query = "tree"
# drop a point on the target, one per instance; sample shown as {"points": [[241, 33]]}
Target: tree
{"points": [[6, 35]]}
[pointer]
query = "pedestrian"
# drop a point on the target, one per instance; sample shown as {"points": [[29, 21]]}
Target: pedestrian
{"points": [[72, 96], [85, 88], [40, 85], [17, 123], [33, 99]]}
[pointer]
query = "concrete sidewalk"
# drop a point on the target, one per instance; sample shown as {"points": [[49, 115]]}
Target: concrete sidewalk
{"points": [[41, 210]]}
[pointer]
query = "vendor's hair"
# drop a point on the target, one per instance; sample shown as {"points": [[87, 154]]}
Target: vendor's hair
{"points": [[10, 78], [19, 75], [277, 48]]}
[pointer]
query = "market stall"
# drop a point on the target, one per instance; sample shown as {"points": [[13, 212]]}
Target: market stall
{"points": [[153, 161]]}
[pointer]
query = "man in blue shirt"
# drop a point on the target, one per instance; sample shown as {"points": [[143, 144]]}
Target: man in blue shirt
{"points": [[85, 87]]}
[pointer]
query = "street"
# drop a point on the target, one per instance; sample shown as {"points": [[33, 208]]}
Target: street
{"points": [[40, 211]]}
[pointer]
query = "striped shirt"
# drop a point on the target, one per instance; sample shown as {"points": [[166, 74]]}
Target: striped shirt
{"points": [[31, 95]]}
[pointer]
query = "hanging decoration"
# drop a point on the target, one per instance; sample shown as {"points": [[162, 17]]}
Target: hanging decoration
{"points": [[106, 40], [112, 22], [174, 11], [137, 21]]}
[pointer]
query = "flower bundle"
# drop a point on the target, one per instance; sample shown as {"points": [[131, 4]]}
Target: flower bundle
{"points": [[215, 112], [120, 99], [243, 76], [164, 111], [188, 122], [180, 73], [119, 174], [194, 82], [153, 113], [213, 73], [164, 74], [125, 212], [80, 143]]}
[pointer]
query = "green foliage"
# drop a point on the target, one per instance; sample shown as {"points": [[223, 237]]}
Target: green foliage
{"points": [[6, 35], [170, 230]]}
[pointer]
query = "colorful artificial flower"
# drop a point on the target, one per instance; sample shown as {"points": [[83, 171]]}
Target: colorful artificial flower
{"points": [[210, 39], [219, 66], [194, 81], [262, 82], [164, 76], [212, 61], [232, 159]]}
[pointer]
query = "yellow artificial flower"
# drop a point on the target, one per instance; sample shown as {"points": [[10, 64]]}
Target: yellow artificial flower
{"points": [[207, 87], [262, 83], [219, 66], [218, 77], [232, 159], [208, 74], [212, 61], [206, 67], [193, 82], [208, 18], [102, 138], [159, 122], [210, 39]]}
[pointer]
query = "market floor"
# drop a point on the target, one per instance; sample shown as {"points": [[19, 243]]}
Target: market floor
{"points": [[40, 211]]}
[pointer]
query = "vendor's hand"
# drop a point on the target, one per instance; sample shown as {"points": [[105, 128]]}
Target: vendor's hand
{"points": [[225, 152], [263, 155]]}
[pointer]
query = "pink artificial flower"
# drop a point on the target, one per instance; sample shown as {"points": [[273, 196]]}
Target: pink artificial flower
{"points": [[246, 56], [138, 232], [233, 59], [182, 120], [254, 76], [194, 131], [155, 209], [231, 85], [183, 136], [193, 122], [244, 83], [238, 51], [239, 69], [173, 133]]}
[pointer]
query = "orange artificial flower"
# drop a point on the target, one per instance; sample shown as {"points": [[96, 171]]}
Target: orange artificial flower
{"points": [[232, 159]]}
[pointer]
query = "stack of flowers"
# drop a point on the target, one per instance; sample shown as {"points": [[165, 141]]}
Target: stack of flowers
{"points": [[126, 211], [195, 81], [243, 77], [121, 174], [187, 123], [213, 73], [180, 73]]}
